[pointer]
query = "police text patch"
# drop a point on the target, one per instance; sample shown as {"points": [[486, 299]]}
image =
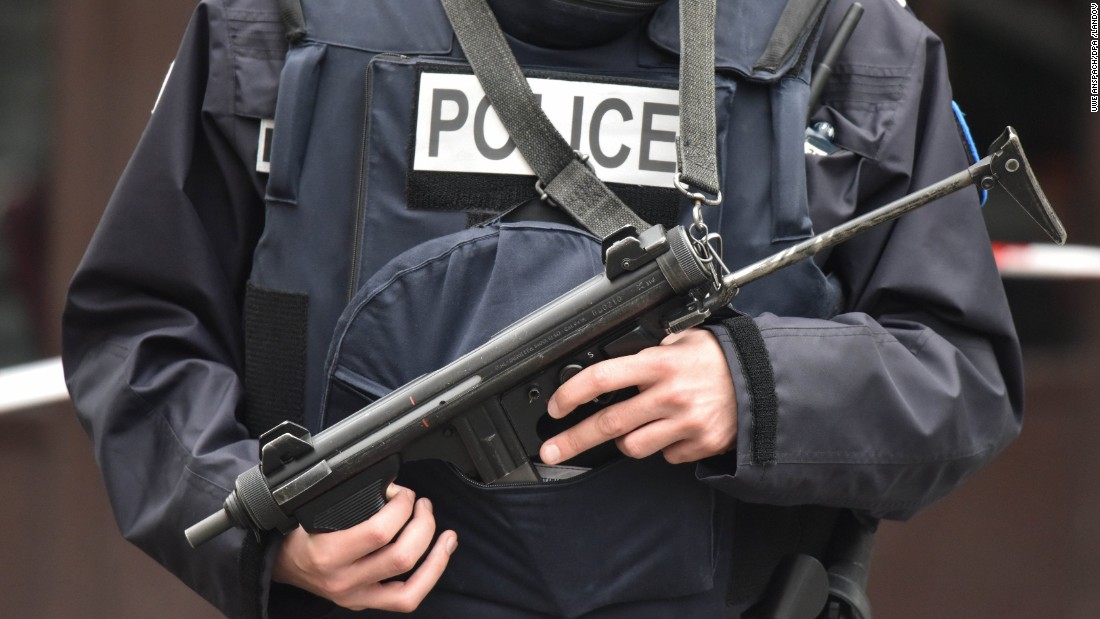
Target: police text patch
{"points": [[629, 131]]}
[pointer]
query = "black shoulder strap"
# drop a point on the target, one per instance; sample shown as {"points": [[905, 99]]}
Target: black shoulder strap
{"points": [[697, 142], [563, 174]]}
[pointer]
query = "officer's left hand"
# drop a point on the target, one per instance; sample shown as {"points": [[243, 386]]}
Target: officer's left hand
{"points": [[685, 409]]}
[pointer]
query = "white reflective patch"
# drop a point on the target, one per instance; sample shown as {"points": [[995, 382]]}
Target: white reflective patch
{"points": [[629, 131], [263, 149]]}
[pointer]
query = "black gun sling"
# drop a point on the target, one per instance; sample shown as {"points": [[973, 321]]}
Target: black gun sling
{"points": [[564, 178]]}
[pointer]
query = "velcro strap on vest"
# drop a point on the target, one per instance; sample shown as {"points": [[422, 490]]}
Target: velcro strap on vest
{"points": [[757, 367], [275, 358]]}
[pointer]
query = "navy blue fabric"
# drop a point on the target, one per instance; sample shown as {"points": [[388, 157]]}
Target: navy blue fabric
{"points": [[531, 546], [443, 298], [385, 28], [742, 31]]}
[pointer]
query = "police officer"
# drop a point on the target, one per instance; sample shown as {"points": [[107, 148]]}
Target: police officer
{"points": [[873, 379]]}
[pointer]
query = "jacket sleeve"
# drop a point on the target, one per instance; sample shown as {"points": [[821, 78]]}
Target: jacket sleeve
{"points": [[152, 336], [917, 382]]}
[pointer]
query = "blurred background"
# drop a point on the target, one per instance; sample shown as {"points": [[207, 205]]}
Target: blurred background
{"points": [[78, 79]]}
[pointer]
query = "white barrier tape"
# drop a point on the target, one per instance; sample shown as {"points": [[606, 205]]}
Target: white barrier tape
{"points": [[32, 384], [1039, 261]]}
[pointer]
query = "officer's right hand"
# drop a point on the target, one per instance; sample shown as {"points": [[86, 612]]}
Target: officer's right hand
{"points": [[348, 566]]}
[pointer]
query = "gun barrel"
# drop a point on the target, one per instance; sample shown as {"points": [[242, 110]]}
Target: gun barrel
{"points": [[208, 528]]}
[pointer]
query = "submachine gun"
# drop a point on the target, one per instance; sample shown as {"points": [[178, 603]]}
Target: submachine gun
{"points": [[481, 412]]}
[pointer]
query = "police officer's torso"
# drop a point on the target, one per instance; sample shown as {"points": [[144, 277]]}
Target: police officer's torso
{"points": [[383, 144]]}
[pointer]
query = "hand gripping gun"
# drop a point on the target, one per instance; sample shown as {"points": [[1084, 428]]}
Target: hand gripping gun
{"points": [[482, 411]]}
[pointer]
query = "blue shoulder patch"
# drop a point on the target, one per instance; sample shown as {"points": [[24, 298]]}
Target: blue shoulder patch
{"points": [[968, 140]]}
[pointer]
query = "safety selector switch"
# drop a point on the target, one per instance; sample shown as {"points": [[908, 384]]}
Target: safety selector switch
{"points": [[569, 371]]}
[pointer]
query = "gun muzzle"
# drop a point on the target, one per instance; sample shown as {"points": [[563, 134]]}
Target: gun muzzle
{"points": [[208, 528]]}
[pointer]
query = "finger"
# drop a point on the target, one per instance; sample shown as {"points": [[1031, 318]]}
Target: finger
{"points": [[406, 596], [638, 370], [685, 451], [402, 555], [392, 491], [650, 438], [686, 438], [608, 424], [672, 338], [346, 546], [348, 584]]}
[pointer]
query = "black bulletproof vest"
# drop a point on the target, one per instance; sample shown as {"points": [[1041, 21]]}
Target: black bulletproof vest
{"points": [[366, 97]]}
